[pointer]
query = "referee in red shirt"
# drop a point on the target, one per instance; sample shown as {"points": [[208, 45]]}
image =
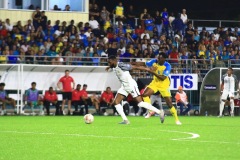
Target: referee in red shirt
{"points": [[68, 85]]}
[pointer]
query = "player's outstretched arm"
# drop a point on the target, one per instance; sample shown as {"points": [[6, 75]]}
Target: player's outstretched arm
{"points": [[142, 68], [125, 66], [151, 70], [161, 77], [138, 63]]}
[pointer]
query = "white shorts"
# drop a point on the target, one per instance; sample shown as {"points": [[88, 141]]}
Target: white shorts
{"points": [[225, 94], [133, 90]]}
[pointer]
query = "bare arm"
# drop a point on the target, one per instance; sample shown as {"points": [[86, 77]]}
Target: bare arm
{"points": [[105, 100], [221, 87], [58, 85], [73, 85], [138, 63], [150, 70], [107, 68], [33, 14]]}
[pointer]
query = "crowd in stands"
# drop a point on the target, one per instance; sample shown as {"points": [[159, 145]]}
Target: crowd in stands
{"points": [[116, 32]]}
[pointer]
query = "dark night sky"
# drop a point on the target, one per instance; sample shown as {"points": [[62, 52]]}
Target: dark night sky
{"points": [[196, 9]]}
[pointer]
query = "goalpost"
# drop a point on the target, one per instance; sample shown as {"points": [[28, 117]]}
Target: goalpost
{"points": [[210, 90]]}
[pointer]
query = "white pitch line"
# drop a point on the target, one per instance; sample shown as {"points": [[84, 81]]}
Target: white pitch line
{"points": [[193, 135], [77, 135], [190, 139], [220, 142]]}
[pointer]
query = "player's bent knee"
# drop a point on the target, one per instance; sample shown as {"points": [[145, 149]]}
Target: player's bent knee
{"points": [[116, 103], [140, 104]]}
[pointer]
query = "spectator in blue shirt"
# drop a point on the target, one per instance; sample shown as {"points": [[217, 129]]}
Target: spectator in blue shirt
{"points": [[49, 35], [15, 50], [177, 25], [232, 55], [56, 26], [164, 15], [83, 38], [149, 23], [225, 56], [95, 59], [228, 41]]}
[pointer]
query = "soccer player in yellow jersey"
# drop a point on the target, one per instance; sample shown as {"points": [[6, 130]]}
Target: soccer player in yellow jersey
{"points": [[160, 68]]}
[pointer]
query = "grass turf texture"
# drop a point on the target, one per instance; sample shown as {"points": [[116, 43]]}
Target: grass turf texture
{"points": [[68, 137]]}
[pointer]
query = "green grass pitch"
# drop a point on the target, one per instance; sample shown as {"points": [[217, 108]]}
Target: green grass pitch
{"points": [[68, 137]]}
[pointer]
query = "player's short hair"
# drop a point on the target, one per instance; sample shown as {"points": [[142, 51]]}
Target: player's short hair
{"points": [[112, 57], [85, 85], [2, 84], [230, 68], [66, 70], [50, 88], [33, 83], [78, 85], [162, 54]]}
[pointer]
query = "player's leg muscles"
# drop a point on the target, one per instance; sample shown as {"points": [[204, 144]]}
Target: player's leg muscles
{"points": [[148, 92], [146, 105], [117, 102], [168, 101], [118, 99], [171, 107]]}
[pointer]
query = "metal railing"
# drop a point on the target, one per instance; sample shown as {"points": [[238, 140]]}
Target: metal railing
{"points": [[214, 23], [178, 65]]}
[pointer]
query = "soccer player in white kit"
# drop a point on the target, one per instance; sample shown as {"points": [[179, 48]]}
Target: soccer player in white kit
{"points": [[229, 81], [129, 86]]}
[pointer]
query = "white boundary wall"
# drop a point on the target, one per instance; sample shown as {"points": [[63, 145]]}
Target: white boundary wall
{"points": [[20, 76]]}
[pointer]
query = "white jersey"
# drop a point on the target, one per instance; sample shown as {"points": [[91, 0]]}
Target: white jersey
{"points": [[229, 83], [122, 72], [129, 85]]}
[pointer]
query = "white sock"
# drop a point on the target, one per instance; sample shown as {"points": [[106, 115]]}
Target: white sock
{"points": [[41, 109], [119, 109], [160, 104], [221, 108], [32, 109], [232, 105], [149, 107]]}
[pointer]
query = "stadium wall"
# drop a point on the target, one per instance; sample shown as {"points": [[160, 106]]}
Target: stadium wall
{"points": [[18, 78], [24, 15]]}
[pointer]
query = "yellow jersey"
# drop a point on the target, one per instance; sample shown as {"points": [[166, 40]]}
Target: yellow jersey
{"points": [[107, 24], [164, 70], [119, 10]]}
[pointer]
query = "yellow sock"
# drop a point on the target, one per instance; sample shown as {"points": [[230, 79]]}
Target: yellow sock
{"points": [[174, 113], [147, 99]]}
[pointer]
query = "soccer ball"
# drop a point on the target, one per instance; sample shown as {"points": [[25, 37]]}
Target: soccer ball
{"points": [[88, 118]]}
